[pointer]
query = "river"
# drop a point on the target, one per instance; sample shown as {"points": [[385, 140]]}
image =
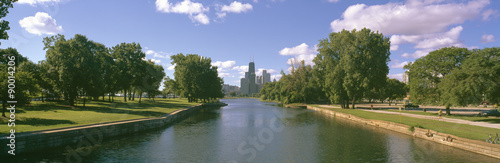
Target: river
{"points": [[248, 130]]}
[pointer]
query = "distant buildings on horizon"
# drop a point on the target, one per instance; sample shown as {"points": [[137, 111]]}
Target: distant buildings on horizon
{"points": [[252, 84]]}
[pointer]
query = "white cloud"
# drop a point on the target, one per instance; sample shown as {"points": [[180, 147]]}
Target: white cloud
{"points": [[449, 38], [300, 52], [225, 64], [155, 61], [394, 47], [221, 14], [488, 14], [417, 53], [193, 9], [397, 64], [487, 38], [276, 77], [396, 76], [237, 7], [413, 17], [171, 67], [223, 74], [41, 23], [200, 18], [157, 54], [241, 69], [234, 7], [34, 2]]}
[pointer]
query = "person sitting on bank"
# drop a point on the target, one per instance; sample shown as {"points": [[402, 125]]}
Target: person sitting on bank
{"points": [[440, 113]]}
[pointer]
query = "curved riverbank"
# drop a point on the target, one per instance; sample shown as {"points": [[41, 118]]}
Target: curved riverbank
{"points": [[91, 135], [475, 146]]}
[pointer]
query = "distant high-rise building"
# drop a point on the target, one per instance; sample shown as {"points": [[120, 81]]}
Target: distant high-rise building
{"points": [[406, 77], [266, 77], [248, 85], [252, 84], [227, 89]]}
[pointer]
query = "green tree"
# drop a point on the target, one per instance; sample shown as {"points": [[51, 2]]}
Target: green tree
{"points": [[24, 85], [353, 63], [151, 81], [77, 63], [4, 10], [395, 89], [426, 74], [476, 78], [128, 58], [170, 86], [197, 78]]}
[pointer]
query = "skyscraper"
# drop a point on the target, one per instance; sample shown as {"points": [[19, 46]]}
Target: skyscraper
{"points": [[252, 84], [248, 85]]}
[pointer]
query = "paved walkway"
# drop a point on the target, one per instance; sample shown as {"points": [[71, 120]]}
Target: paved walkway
{"points": [[452, 120]]}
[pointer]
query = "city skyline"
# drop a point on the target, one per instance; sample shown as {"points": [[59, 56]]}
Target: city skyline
{"points": [[229, 32]]}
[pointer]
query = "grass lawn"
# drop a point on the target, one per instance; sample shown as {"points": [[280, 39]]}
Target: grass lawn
{"points": [[464, 117], [49, 115], [461, 130]]}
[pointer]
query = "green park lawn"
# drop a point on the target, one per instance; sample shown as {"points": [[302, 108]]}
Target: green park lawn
{"points": [[48, 115], [460, 130], [455, 116]]}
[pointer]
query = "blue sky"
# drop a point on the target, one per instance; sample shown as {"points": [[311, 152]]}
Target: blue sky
{"points": [[272, 32]]}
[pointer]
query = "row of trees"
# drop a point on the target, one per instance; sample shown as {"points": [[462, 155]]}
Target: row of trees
{"points": [[81, 67], [455, 76], [350, 65], [195, 78]]}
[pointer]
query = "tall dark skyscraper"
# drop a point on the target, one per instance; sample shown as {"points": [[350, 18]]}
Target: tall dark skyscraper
{"points": [[250, 85]]}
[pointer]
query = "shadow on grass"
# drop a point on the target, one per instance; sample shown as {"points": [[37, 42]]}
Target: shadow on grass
{"points": [[44, 122], [131, 107], [489, 120]]}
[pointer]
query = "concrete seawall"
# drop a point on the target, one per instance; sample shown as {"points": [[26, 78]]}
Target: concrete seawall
{"points": [[475, 146], [89, 135]]}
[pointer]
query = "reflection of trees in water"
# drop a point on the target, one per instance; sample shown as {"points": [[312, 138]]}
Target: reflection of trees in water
{"points": [[205, 114]]}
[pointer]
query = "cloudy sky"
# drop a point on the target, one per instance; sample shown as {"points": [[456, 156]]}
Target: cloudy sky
{"points": [[271, 32]]}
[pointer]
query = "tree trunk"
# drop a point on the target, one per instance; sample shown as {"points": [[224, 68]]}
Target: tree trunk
{"points": [[448, 110], [109, 97], [389, 102], [42, 97], [84, 98], [4, 102], [353, 100], [140, 97], [71, 101], [125, 95]]}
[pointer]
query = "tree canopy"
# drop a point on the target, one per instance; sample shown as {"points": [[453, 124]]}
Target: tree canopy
{"points": [[197, 79]]}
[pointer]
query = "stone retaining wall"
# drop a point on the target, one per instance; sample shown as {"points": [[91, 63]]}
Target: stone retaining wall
{"points": [[475, 146], [88, 135]]}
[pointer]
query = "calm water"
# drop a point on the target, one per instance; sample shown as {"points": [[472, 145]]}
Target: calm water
{"points": [[248, 130]]}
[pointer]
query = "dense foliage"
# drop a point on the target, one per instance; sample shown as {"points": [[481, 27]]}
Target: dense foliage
{"points": [[456, 77], [81, 67], [350, 65], [196, 78]]}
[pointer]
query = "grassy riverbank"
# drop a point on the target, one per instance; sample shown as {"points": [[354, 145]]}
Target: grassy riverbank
{"points": [[49, 115], [460, 130], [464, 117]]}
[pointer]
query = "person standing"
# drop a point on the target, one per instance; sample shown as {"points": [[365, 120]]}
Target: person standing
{"points": [[440, 113]]}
